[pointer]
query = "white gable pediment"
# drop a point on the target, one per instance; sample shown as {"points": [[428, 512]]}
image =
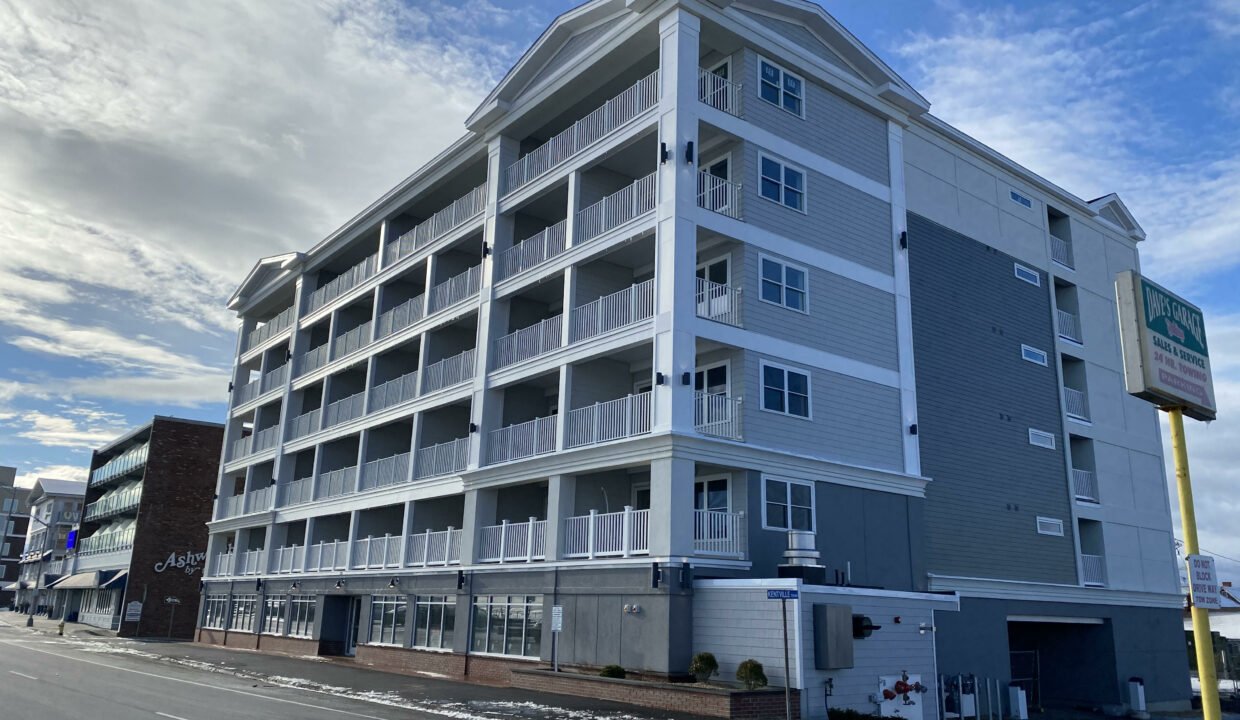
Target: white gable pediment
{"points": [[1114, 211], [266, 271], [802, 36]]}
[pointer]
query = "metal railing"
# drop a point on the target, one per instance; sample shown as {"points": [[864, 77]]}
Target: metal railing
{"points": [[102, 542], [250, 562], [719, 533], [448, 372], [611, 116], [372, 553], [118, 502], [295, 492], [612, 312], [288, 559], [273, 379], [344, 409], [264, 439], [1093, 570], [719, 195], [222, 564], [402, 316], [718, 415], [122, 464], [430, 548], [719, 92], [442, 459], [462, 210], [455, 289], [270, 329], [327, 555], [311, 360], [718, 302], [532, 251], [351, 341], [1085, 485], [384, 472], [394, 392], [1061, 251], [1069, 325], [615, 210], [622, 533], [259, 500], [343, 283], [527, 439], [304, 424], [513, 542], [1077, 403], [336, 483], [529, 342], [230, 506], [611, 420]]}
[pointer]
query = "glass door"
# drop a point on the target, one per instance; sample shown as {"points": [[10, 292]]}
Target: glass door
{"points": [[713, 298], [352, 626], [710, 498], [711, 388]]}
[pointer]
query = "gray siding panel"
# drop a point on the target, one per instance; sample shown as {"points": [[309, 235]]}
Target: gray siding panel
{"points": [[976, 400]]}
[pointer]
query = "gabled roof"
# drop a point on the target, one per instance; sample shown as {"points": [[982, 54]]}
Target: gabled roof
{"points": [[1112, 209], [265, 271], [53, 486]]}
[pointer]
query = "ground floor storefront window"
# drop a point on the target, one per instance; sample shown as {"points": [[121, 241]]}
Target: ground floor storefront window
{"points": [[301, 615], [243, 609], [387, 619], [273, 615], [215, 612], [508, 625], [434, 621], [98, 607]]}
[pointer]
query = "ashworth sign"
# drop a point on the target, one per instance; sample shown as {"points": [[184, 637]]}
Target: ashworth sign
{"points": [[190, 562], [1166, 358]]}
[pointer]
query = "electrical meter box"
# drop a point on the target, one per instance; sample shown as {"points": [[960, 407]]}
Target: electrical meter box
{"points": [[833, 636]]}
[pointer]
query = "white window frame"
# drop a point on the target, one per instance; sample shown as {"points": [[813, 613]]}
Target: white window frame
{"points": [[813, 501], [728, 62], [809, 387], [1049, 521], [1033, 277], [783, 282], [726, 364], [1040, 435], [725, 257], [782, 72], [301, 613], [1020, 199], [443, 602], [1027, 350], [268, 616], [784, 166], [388, 633], [716, 159], [705, 480]]}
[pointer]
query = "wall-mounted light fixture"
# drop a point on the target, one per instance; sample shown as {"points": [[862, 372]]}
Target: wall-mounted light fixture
{"points": [[658, 378], [340, 584], [486, 249], [288, 355], [689, 152], [473, 428], [230, 387], [295, 586], [395, 583], [904, 240], [663, 153], [686, 378], [460, 579], [912, 429], [258, 584]]}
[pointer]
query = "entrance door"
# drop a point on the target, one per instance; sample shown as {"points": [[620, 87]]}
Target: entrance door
{"points": [[715, 92], [641, 496], [713, 299], [712, 409], [710, 500], [1025, 672], [354, 626], [714, 190]]}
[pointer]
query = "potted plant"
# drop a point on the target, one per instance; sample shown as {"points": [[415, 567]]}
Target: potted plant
{"points": [[703, 666], [751, 674]]}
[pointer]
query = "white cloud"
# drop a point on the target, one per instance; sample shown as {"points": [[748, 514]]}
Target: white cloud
{"points": [[58, 472], [83, 427]]}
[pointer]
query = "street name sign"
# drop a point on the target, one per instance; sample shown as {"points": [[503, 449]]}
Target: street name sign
{"points": [[557, 618], [782, 594]]}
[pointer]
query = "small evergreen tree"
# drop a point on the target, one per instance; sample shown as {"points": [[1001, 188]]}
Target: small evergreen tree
{"points": [[703, 666], [751, 674]]}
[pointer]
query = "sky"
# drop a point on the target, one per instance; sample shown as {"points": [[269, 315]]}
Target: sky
{"points": [[152, 152]]}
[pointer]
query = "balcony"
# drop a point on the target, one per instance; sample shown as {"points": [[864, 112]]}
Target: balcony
{"points": [[719, 93], [327, 556], [312, 360], [612, 420], [455, 289], [120, 465], [230, 506], [1093, 570], [532, 251], [295, 492], [459, 213], [344, 410], [513, 542], [612, 312], [448, 372], [270, 381], [615, 210], [376, 553], [717, 415], [426, 549], [719, 302], [287, 560], [105, 541], [1061, 252], [114, 503], [402, 316], [719, 195], [394, 392], [1076, 404], [250, 562], [304, 424], [270, 329], [599, 124], [442, 459], [336, 483], [719, 533], [431, 549], [385, 472], [343, 283], [264, 439], [1069, 326], [527, 439], [617, 534], [222, 564], [529, 342], [1085, 485], [351, 341]]}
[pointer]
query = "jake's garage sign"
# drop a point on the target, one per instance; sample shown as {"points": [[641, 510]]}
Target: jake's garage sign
{"points": [[1166, 358]]}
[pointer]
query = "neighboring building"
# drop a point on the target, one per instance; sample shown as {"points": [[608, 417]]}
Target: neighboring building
{"points": [[55, 506], [142, 540], [655, 312], [14, 523]]}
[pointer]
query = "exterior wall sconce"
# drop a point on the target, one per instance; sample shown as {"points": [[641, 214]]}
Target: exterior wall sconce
{"points": [[689, 152], [295, 586], [395, 583], [633, 609], [473, 428], [663, 153], [258, 585], [658, 378], [486, 249], [340, 584], [686, 378], [912, 429]]}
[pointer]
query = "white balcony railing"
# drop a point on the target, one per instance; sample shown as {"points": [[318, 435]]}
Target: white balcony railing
{"points": [[264, 439], [327, 555], [615, 210], [611, 420], [295, 492], [117, 502], [600, 123], [336, 483], [431, 548], [719, 195], [1061, 251], [230, 506], [455, 289], [1077, 403], [351, 341], [438, 225], [402, 316], [717, 415], [273, 379], [221, 565], [718, 302], [342, 283], [251, 562], [612, 312], [448, 372], [344, 409], [719, 533], [1069, 325], [1094, 570], [442, 459], [532, 251], [621, 533], [312, 360], [719, 92], [529, 342], [374, 553], [123, 464], [270, 329], [394, 392], [259, 500], [1085, 485], [104, 541], [384, 472], [527, 439], [304, 424], [513, 542], [289, 559]]}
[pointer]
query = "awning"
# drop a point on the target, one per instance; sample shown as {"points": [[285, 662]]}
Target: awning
{"points": [[34, 557], [116, 580], [77, 581], [12, 586]]}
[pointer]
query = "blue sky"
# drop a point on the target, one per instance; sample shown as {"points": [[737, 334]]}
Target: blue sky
{"points": [[153, 154]]}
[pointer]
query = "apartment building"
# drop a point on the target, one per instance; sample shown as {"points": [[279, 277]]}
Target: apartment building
{"points": [[136, 564], [652, 322], [55, 507], [14, 522]]}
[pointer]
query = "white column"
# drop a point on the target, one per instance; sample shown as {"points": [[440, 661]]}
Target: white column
{"points": [[904, 313], [479, 511], [574, 201], [348, 552], [561, 499], [565, 403], [671, 507], [406, 531]]}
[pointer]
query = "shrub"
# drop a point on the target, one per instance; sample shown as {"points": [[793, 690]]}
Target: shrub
{"points": [[612, 671], [703, 666], [751, 674]]}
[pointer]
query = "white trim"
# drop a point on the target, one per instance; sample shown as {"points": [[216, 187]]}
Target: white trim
{"points": [[786, 369], [1060, 619], [1041, 438], [783, 282], [1049, 526], [1051, 592], [1019, 199], [795, 583], [790, 481], [711, 478], [1031, 276], [783, 71], [1027, 350], [715, 160], [784, 167], [725, 257], [726, 364], [634, 488]]}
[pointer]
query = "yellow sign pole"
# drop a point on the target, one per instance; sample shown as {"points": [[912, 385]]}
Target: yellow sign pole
{"points": [[1202, 638]]}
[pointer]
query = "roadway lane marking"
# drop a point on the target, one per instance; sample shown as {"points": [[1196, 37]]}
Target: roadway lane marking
{"points": [[192, 682], [171, 717], [28, 677]]}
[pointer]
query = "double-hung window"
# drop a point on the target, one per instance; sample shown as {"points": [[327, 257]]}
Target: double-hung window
{"points": [[387, 619], [781, 183], [789, 504], [785, 390], [784, 284], [781, 88]]}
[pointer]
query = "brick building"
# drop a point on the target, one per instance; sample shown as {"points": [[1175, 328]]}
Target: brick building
{"points": [[14, 520]]}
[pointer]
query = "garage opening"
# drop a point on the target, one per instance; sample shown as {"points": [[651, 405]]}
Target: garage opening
{"points": [[1063, 662]]}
